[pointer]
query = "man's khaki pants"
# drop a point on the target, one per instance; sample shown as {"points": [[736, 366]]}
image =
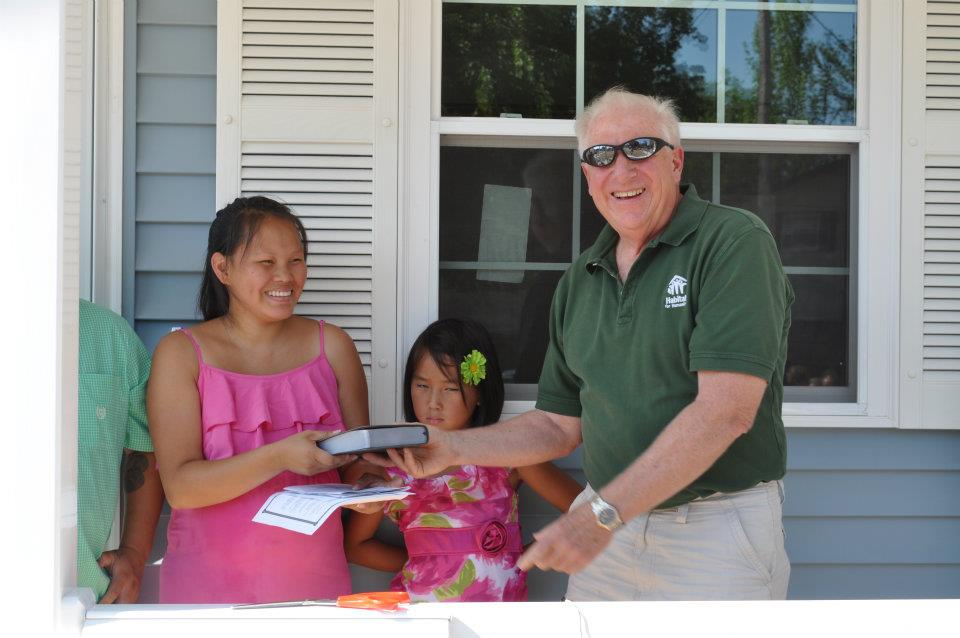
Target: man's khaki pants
{"points": [[723, 547]]}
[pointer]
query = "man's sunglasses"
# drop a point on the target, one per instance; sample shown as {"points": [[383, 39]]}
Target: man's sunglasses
{"points": [[636, 149]]}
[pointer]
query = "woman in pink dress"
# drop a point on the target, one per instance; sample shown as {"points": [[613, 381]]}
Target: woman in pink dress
{"points": [[236, 405], [460, 528]]}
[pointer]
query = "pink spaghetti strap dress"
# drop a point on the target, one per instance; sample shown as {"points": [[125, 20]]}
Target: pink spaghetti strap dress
{"points": [[217, 554]]}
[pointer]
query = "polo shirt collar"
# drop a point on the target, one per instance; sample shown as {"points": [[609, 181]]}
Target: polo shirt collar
{"points": [[685, 221]]}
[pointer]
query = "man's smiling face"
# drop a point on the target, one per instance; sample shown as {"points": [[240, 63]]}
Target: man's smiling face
{"points": [[636, 197]]}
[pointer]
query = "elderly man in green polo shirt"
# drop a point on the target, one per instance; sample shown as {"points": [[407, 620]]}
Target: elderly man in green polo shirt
{"points": [[113, 370], [668, 339]]}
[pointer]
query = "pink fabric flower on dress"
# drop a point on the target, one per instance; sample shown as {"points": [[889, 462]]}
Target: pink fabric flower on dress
{"points": [[492, 538]]}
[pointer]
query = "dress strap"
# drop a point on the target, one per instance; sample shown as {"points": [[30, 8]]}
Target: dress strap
{"points": [[320, 323], [193, 340]]}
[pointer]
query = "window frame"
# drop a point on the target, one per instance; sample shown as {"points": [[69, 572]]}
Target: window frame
{"points": [[102, 196], [874, 259]]}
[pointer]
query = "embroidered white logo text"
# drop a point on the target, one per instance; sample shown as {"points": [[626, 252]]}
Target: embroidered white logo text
{"points": [[676, 296]]}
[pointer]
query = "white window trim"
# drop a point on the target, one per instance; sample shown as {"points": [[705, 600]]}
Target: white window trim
{"points": [[92, 140], [99, 60], [106, 197], [877, 257], [911, 275], [87, 113]]}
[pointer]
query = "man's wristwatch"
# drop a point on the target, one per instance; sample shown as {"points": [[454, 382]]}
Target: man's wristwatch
{"points": [[606, 514]]}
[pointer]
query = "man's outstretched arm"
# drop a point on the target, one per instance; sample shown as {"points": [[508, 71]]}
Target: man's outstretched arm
{"points": [[529, 438], [725, 408]]}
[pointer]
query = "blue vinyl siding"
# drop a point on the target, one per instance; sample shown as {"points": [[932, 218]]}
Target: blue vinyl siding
{"points": [[873, 513], [173, 12], [172, 160], [174, 198], [868, 513], [176, 50], [845, 581]]}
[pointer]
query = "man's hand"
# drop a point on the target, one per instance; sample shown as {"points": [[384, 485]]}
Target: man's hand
{"points": [[125, 567], [568, 544], [372, 480], [423, 461]]}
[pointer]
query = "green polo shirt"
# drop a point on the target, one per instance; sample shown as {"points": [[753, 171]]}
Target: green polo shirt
{"points": [[708, 293], [113, 370]]}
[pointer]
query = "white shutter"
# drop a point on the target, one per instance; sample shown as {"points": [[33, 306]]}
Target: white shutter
{"points": [[307, 103], [932, 305]]}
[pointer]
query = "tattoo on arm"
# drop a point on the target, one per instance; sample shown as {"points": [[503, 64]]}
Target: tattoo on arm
{"points": [[134, 465]]}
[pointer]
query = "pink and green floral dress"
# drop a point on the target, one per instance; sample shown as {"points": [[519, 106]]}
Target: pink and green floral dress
{"points": [[462, 536]]}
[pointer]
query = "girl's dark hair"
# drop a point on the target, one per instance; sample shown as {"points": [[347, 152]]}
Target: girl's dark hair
{"points": [[448, 341], [235, 225]]}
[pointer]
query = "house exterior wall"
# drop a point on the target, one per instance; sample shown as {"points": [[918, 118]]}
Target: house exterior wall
{"points": [[169, 199], [869, 513]]}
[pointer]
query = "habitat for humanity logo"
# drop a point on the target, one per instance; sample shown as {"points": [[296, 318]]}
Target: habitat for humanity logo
{"points": [[676, 293]]}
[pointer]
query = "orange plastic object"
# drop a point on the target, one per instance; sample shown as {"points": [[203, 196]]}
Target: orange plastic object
{"points": [[381, 600]]}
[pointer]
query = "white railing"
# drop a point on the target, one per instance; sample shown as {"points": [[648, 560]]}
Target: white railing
{"points": [[760, 619]]}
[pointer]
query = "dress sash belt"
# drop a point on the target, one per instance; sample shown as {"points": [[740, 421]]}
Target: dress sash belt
{"points": [[490, 538]]}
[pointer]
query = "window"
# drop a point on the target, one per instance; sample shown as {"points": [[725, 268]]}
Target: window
{"points": [[720, 61], [513, 207]]}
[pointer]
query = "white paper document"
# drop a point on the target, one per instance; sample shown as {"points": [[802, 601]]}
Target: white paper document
{"points": [[304, 508]]}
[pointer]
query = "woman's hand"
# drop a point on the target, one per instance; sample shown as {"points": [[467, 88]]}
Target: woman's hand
{"points": [[299, 453], [372, 480]]}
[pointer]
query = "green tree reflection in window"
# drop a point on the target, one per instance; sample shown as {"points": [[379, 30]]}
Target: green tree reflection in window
{"points": [[665, 52], [801, 68], [509, 59]]}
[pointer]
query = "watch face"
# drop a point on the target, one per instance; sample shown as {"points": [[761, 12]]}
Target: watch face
{"points": [[606, 515]]}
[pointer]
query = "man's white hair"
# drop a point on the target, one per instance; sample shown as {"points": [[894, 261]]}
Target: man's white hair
{"points": [[618, 97]]}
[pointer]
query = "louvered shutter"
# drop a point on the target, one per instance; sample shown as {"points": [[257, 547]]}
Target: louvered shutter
{"points": [[306, 107], [932, 299]]}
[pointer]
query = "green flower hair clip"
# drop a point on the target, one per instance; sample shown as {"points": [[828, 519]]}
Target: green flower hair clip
{"points": [[473, 368]]}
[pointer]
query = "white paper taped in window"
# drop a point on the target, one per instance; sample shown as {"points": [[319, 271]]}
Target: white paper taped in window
{"points": [[504, 222]]}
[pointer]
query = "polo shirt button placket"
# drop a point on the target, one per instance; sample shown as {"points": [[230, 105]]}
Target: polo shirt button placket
{"points": [[624, 307]]}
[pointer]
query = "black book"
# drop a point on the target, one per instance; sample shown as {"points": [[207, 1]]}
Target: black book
{"points": [[372, 438]]}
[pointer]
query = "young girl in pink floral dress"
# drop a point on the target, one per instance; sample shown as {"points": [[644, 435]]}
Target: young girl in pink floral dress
{"points": [[460, 528]]}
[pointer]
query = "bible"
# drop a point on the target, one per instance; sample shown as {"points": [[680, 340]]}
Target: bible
{"points": [[373, 438]]}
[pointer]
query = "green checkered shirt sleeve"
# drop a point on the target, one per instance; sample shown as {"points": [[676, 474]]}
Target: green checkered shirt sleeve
{"points": [[138, 371]]}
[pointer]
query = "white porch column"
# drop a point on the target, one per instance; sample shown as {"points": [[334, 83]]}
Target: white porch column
{"points": [[39, 191]]}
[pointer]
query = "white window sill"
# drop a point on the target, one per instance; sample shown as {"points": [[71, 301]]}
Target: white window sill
{"points": [[795, 415], [461, 620]]}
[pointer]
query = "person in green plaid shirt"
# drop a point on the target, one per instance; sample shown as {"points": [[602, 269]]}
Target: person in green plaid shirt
{"points": [[113, 370]]}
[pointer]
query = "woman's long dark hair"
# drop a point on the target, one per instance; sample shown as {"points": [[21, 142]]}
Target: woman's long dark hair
{"points": [[235, 225], [447, 342]]}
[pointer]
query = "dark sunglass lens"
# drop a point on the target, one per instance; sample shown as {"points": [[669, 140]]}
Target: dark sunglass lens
{"points": [[640, 148], [599, 155]]}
